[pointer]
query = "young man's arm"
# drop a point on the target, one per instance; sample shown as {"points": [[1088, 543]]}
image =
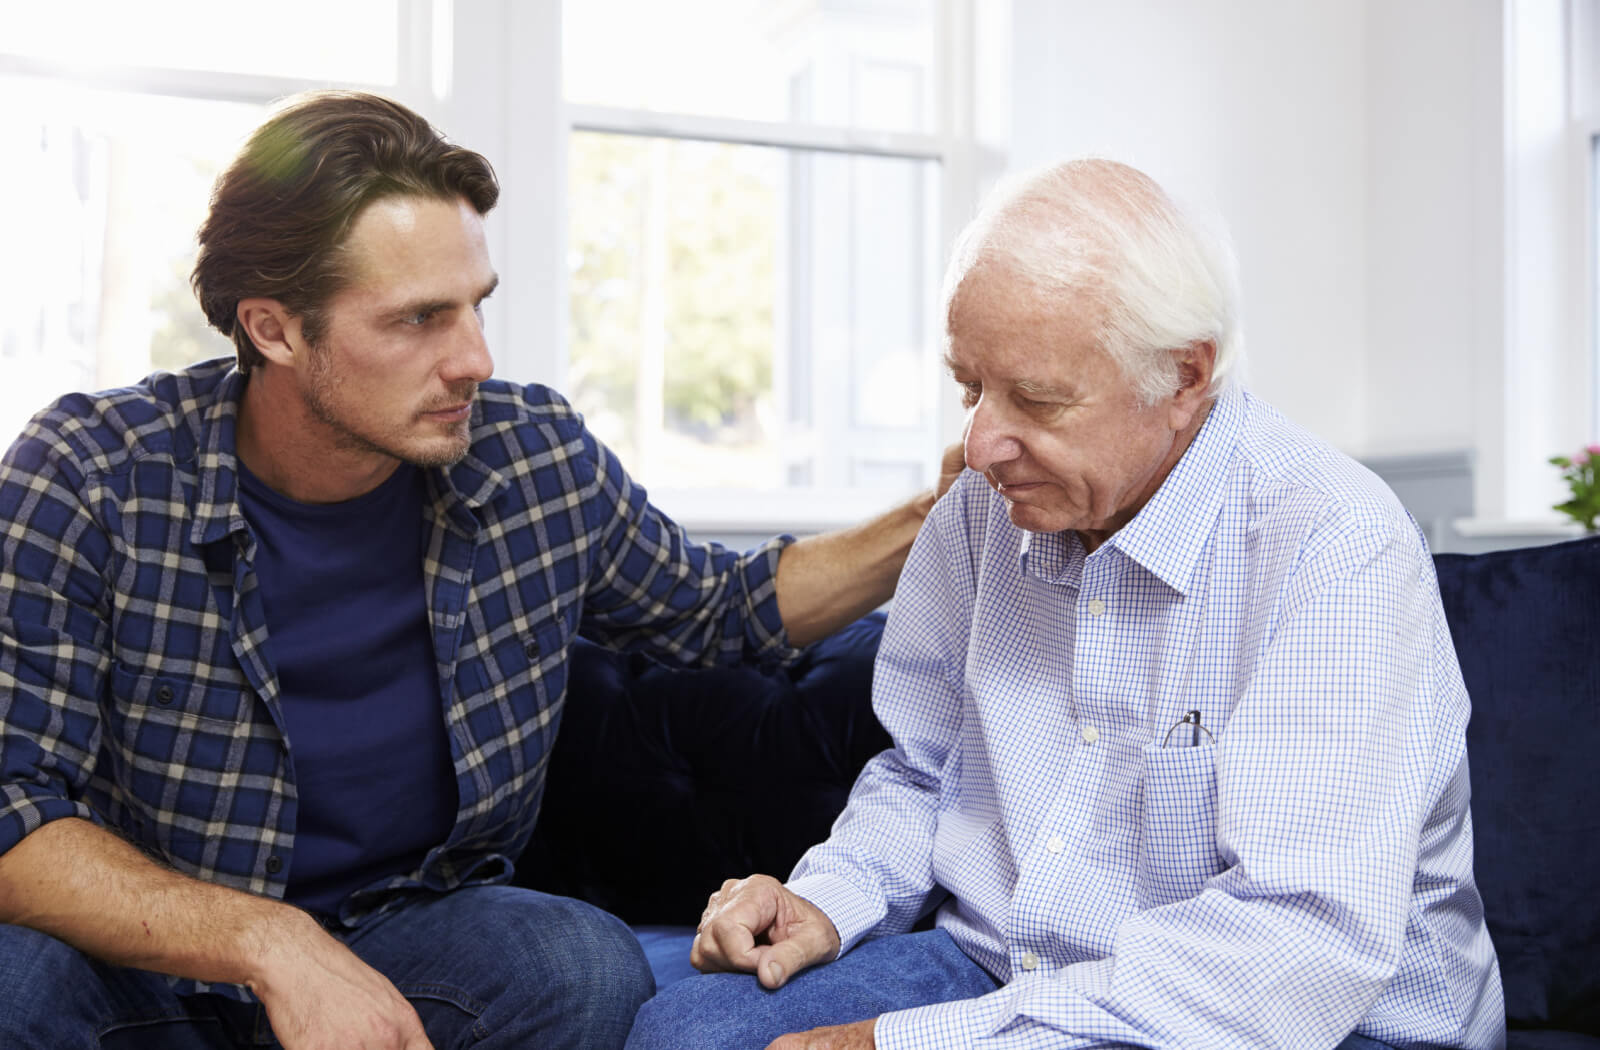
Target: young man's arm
{"points": [[828, 581], [83, 885]]}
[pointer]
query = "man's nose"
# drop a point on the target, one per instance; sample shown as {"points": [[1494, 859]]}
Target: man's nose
{"points": [[469, 357], [989, 439]]}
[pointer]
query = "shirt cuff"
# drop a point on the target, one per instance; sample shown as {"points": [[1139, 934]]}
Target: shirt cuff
{"points": [[760, 579], [854, 914], [960, 1023], [25, 809]]}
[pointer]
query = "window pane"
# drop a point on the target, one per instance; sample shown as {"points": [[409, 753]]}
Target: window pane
{"points": [[752, 317], [866, 64], [355, 40], [1594, 287], [100, 195]]}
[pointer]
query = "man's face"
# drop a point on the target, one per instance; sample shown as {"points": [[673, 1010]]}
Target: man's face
{"points": [[402, 352], [1052, 422]]}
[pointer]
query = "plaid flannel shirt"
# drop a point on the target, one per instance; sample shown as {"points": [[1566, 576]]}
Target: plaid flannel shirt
{"points": [[137, 685]]}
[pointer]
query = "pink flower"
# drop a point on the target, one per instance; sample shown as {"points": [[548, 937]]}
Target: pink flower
{"points": [[1593, 450]]}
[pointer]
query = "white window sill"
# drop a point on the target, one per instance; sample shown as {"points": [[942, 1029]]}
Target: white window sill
{"points": [[801, 512], [1497, 528]]}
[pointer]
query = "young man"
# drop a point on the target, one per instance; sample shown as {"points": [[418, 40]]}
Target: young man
{"points": [[283, 641]]}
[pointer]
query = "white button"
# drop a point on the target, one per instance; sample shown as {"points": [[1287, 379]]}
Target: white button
{"points": [[1030, 961], [1096, 606], [1090, 734], [1056, 844]]}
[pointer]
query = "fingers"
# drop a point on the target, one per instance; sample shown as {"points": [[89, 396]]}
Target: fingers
{"points": [[857, 1036], [418, 1042], [759, 926], [415, 1038], [735, 916], [777, 963]]}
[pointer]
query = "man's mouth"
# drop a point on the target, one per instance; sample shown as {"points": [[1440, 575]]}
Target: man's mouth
{"points": [[1006, 488], [450, 413], [456, 409]]}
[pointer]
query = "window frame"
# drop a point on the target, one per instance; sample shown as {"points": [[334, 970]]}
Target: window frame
{"points": [[954, 145]]}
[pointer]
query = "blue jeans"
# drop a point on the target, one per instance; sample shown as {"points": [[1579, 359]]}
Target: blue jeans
{"points": [[486, 967], [726, 1011]]}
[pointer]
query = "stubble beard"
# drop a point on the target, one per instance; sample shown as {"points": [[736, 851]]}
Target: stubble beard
{"points": [[321, 403]]}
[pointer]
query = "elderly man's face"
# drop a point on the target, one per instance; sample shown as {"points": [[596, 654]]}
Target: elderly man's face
{"points": [[1051, 420]]}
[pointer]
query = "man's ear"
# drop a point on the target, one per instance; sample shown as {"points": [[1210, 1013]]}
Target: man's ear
{"points": [[274, 330], [1196, 363]]}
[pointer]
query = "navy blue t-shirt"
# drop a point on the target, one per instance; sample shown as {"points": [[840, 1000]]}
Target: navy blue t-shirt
{"points": [[347, 625]]}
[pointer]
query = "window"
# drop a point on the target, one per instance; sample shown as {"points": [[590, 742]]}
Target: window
{"points": [[1594, 286], [756, 217], [109, 168], [720, 232]]}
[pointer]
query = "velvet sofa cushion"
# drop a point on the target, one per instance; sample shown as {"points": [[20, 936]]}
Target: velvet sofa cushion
{"points": [[664, 783], [1526, 625]]}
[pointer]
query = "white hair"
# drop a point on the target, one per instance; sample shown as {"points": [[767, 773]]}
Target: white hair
{"points": [[1100, 232]]}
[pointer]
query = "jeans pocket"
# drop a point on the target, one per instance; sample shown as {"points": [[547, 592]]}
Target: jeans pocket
{"points": [[446, 1012], [1179, 850]]}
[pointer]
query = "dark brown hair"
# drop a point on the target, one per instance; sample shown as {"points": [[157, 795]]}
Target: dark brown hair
{"points": [[283, 208]]}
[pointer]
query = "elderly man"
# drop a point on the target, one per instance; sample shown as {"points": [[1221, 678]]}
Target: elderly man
{"points": [[283, 641], [1178, 728]]}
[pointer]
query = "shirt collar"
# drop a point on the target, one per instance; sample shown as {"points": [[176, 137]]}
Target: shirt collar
{"points": [[1054, 557], [216, 511], [1169, 534], [216, 508]]}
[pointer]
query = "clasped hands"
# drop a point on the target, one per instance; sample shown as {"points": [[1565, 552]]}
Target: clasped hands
{"points": [[758, 926]]}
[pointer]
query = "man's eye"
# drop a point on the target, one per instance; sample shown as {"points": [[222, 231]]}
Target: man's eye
{"points": [[970, 392], [417, 320]]}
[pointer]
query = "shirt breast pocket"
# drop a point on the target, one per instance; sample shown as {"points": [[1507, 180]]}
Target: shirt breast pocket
{"points": [[1179, 850], [176, 741]]}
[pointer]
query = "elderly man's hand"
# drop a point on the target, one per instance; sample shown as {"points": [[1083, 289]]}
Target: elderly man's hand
{"points": [[856, 1036], [758, 926]]}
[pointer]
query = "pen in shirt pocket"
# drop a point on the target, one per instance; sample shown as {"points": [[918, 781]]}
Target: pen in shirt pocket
{"points": [[1188, 731]]}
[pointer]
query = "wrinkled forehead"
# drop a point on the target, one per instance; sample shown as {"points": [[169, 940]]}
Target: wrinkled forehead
{"points": [[996, 296]]}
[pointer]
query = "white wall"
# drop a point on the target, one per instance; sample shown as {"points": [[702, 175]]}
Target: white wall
{"points": [[1254, 109], [1433, 175]]}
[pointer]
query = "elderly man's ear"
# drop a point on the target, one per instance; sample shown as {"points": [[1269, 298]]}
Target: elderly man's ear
{"points": [[1195, 364]]}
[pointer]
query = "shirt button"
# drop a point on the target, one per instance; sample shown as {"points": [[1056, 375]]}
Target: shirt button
{"points": [[1090, 734], [164, 694], [1096, 606], [1030, 961], [274, 864], [1056, 844]]}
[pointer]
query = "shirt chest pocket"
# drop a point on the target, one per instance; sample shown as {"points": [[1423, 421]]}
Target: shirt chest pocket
{"points": [[1179, 848], [176, 743]]}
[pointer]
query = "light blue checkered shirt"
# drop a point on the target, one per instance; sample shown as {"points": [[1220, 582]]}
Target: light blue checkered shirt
{"points": [[1308, 874]]}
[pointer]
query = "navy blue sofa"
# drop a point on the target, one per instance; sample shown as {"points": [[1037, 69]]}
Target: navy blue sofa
{"points": [[664, 782]]}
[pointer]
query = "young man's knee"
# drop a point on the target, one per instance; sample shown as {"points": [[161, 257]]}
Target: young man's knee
{"points": [[602, 954]]}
